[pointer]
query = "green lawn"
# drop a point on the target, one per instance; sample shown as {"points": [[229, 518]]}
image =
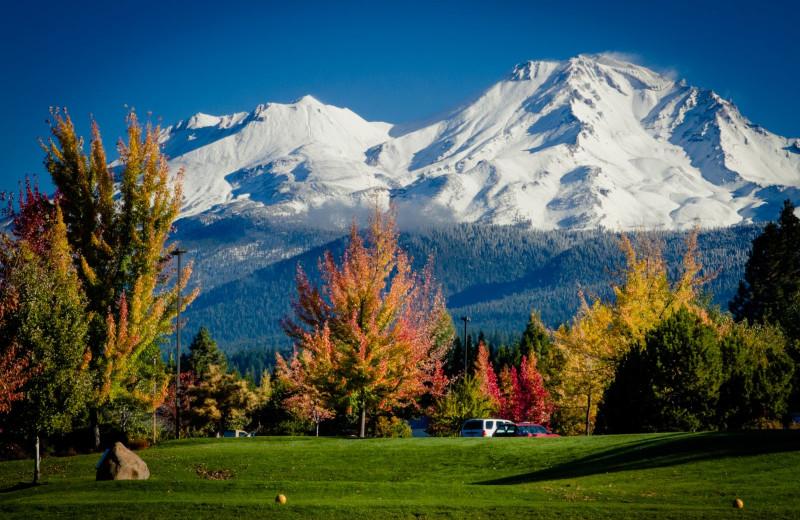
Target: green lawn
{"points": [[678, 476]]}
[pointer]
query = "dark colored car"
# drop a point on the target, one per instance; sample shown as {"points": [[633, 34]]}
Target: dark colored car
{"points": [[506, 430], [534, 430]]}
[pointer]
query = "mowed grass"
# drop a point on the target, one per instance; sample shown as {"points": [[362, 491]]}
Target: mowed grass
{"points": [[679, 476]]}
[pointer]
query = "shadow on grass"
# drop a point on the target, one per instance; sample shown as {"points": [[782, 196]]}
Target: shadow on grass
{"points": [[19, 487], [664, 451]]}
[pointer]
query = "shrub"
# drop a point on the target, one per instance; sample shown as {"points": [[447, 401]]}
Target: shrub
{"points": [[392, 427]]}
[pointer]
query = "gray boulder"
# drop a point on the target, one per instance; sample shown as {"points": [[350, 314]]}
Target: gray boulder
{"points": [[120, 463]]}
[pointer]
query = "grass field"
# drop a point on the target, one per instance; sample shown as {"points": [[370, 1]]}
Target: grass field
{"points": [[679, 476]]}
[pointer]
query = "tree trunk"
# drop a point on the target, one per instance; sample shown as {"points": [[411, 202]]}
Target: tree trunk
{"points": [[317, 423], [362, 432], [588, 413], [95, 423], [36, 460]]}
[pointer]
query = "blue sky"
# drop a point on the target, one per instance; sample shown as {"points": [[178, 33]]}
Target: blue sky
{"points": [[389, 61]]}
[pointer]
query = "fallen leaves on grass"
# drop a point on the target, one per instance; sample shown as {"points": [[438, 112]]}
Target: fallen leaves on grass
{"points": [[572, 497], [215, 474]]}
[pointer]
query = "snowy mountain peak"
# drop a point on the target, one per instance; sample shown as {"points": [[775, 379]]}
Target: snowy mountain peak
{"points": [[201, 120], [593, 141], [307, 100], [531, 70]]}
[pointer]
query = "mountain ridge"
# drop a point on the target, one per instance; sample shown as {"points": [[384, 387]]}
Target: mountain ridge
{"points": [[589, 142]]}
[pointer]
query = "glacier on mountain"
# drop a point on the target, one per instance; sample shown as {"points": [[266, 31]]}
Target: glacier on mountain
{"points": [[590, 142]]}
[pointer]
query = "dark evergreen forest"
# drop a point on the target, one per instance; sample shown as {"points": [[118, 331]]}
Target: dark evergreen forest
{"points": [[494, 275]]}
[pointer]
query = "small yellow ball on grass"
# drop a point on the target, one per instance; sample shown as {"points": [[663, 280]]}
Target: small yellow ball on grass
{"points": [[281, 499], [738, 504]]}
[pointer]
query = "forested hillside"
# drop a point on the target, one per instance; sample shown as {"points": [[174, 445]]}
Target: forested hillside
{"points": [[495, 275]]}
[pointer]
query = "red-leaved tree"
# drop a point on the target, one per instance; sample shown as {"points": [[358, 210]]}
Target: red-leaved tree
{"points": [[14, 372], [374, 335], [519, 394]]}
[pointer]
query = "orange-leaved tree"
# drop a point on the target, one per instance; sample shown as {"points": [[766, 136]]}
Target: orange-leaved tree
{"points": [[374, 335]]}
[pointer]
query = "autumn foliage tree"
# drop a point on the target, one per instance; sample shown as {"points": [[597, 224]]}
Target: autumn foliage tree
{"points": [[603, 332], [221, 401], [518, 394], [44, 315], [119, 249], [372, 337], [304, 400], [14, 371]]}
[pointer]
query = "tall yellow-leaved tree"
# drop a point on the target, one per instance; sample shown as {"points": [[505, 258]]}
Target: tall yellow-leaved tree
{"points": [[602, 332], [120, 249]]}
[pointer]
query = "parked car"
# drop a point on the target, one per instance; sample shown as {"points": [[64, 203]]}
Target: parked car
{"points": [[506, 430], [481, 427], [236, 433], [534, 430]]}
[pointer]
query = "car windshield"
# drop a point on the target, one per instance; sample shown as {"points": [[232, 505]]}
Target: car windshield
{"points": [[473, 425], [532, 429]]}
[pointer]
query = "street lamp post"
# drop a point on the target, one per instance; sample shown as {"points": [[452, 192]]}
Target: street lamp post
{"points": [[465, 319], [178, 252], [155, 387]]}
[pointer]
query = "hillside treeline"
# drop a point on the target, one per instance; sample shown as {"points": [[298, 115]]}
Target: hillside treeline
{"points": [[494, 275]]}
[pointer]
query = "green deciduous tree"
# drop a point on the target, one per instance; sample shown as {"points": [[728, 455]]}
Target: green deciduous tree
{"points": [[48, 320], [757, 375]]}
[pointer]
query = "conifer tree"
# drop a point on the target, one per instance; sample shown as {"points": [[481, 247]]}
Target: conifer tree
{"points": [[203, 353], [535, 338], [771, 284], [671, 384]]}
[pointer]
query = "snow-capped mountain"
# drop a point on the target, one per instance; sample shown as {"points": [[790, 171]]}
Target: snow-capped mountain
{"points": [[584, 143]]}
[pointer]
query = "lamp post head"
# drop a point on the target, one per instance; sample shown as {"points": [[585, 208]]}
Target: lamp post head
{"points": [[465, 319], [178, 251]]}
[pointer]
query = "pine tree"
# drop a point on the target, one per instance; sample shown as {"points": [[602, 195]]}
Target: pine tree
{"points": [[203, 353], [671, 384], [772, 273], [535, 338]]}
